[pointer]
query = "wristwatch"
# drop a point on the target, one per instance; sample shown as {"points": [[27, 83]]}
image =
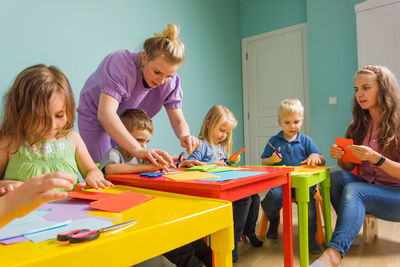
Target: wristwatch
{"points": [[381, 161]]}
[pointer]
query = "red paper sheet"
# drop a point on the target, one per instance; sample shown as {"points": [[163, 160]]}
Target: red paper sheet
{"points": [[348, 156], [91, 195], [120, 202]]}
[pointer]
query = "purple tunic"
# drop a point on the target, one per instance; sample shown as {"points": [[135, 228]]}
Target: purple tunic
{"points": [[119, 76]]}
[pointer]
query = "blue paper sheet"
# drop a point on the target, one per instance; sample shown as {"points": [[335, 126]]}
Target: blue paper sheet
{"points": [[89, 223], [231, 175], [30, 223]]}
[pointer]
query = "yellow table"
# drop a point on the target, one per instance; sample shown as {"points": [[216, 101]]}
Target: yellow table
{"points": [[164, 223]]}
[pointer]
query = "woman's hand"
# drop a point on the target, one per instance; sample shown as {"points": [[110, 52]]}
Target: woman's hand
{"points": [[313, 160], [190, 143], [365, 153], [157, 157], [336, 152], [10, 186]]}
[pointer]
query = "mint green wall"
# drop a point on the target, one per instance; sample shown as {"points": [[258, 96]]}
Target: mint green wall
{"points": [[76, 35], [332, 51], [260, 16], [332, 55]]}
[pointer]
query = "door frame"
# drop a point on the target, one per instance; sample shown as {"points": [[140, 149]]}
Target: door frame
{"points": [[302, 28]]}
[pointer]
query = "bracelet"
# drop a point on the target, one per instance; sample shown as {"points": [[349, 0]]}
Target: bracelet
{"points": [[381, 161]]}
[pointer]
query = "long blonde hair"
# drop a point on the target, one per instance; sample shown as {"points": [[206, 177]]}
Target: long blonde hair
{"points": [[389, 103], [216, 117], [27, 118], [167, 45]]}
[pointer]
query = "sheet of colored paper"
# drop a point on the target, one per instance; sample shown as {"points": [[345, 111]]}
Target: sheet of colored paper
{"points": [[91, 195], [37, 224], [348, 156], [14, 240], [201, 168], [311, 168], [212, 168], [121, 202], [308, 170], [69, 209], [231, 175], [188, 176], [88, 223]]}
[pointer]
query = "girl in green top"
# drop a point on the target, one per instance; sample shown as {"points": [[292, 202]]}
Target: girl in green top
{"points": [[36, 135]]}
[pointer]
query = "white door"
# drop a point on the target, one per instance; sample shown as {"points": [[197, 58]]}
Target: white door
{"points": [[274, 68]]}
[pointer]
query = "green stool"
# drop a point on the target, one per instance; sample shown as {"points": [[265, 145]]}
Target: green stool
{"points": [[301, 184]]}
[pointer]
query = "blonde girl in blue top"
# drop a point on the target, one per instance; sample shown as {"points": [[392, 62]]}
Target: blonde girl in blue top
{"points": [[36, 135], [216, 145]]}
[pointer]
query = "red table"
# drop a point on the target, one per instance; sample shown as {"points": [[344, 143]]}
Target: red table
{"points": [[228, 190]]}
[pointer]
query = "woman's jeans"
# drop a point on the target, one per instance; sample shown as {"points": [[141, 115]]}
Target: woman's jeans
{"points": [[245, 215], [352, 197], [272, 204]]}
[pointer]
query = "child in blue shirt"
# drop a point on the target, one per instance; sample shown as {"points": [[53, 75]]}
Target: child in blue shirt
{"points": [[290, 147], [216, 145]]}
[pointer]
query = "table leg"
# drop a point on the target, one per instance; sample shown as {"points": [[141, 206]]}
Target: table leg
{"points": [[326, 202], [287, 223], [222, 244], [302, 198]]}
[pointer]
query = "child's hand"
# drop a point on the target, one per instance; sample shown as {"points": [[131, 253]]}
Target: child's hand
{"points": [[313, 160], [236, 159], [336, 152], [36, 191], [95, 182], [220, 163], [7, 188], [276, 156], [190, 163]]}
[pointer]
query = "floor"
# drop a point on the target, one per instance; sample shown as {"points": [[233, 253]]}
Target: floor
{"points": [[381, 252]]}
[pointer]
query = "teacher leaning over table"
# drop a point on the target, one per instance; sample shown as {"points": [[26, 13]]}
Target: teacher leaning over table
{"points": [[142, 80]]}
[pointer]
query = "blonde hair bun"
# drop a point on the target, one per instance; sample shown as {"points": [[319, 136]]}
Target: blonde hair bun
{"points": [[171, 32]]}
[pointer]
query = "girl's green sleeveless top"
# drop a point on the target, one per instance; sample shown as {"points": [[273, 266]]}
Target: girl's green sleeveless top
{"points": [[50, 156]]}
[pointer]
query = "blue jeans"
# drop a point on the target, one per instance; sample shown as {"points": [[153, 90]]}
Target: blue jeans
{"points": [[245, 215], [272, 204], [352, 197]]}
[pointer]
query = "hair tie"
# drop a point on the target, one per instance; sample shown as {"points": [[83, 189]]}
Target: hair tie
{"points": [[372, 68]]}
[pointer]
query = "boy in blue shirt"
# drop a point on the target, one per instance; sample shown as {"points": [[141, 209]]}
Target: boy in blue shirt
{"points": [[290, 147]]}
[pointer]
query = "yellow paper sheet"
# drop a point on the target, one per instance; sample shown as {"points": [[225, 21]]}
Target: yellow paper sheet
{"points": [[187, 176], [308, 170]]}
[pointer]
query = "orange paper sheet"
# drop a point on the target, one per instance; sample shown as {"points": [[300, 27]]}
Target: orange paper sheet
{"points": [[188, 176], [348, 156], [91, 195], [120, 202]]}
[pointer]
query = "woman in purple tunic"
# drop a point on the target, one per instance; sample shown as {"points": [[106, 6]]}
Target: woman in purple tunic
{"points": [[143, 80]]}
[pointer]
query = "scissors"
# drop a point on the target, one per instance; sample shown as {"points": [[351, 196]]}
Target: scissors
{"points": [[276, 151], [180, 159], [84, 235]]}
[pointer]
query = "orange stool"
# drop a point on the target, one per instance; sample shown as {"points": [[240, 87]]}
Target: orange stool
{"points": [[319, 235]]}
